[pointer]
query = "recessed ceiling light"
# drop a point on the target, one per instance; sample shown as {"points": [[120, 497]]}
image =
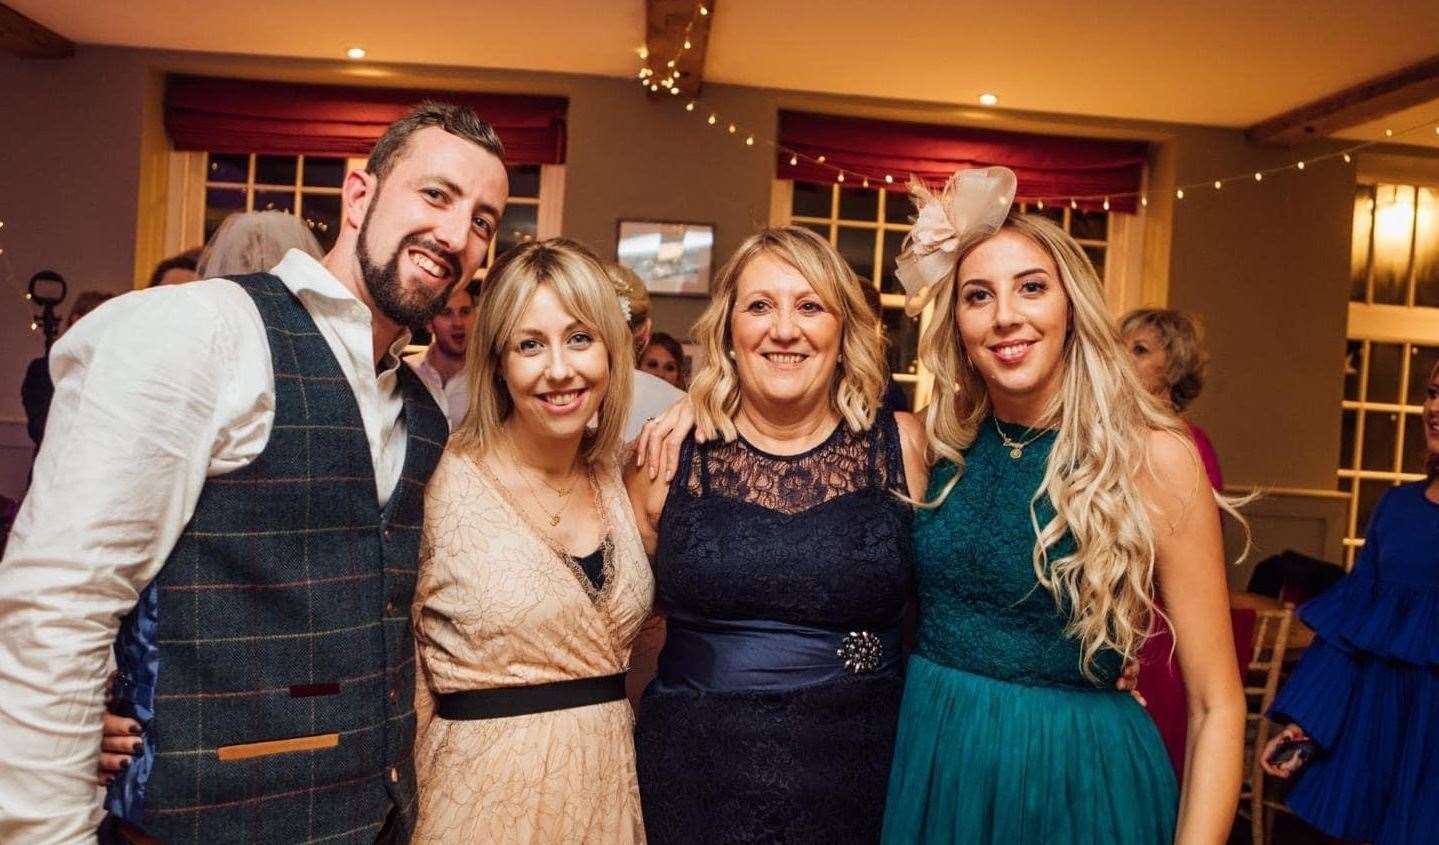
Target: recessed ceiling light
{"points": [[356, 52], [988, 100]]}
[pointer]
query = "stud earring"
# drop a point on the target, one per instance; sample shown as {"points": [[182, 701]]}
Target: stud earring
{"points": [[731, 354]]}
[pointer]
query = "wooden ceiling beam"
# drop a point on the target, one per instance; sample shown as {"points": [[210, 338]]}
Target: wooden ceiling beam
{"points": [[668, 25], [29, 40], [1372, 100]]}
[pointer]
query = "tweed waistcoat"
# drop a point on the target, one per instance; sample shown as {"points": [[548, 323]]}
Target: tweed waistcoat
{"points": [[271, 660]]}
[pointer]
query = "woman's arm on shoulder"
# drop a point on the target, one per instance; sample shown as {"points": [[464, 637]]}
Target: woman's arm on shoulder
{"points": [[647, 498], [913, 446], [1189, 565]]}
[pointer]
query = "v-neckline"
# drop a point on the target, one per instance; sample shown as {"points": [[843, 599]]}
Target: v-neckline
{"points": [[598, 597]]}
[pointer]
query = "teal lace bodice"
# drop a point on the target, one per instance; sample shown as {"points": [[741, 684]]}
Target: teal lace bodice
{"points": [[981, 607]]}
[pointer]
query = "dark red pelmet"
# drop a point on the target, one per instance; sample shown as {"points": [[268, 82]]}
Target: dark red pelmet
{"points": [[283, 118], [1051, 167]]}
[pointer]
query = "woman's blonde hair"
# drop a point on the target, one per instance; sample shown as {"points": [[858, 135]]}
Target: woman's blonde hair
{"points": [[583, 287], [253, 242], [860, 376], [1104, 417], [1431, 461], [1184, 357]]}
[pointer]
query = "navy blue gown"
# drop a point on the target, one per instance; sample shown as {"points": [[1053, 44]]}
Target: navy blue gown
{"points": [[1367, 690], [785, 579]]}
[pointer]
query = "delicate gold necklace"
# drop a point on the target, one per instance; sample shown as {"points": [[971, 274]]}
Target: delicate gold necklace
{"points": [[553, 516], [1016, 448]]}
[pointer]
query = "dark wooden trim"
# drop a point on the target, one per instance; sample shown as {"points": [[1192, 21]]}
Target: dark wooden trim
{"points": [[30, 40], [665, 23], [1385, 95]]}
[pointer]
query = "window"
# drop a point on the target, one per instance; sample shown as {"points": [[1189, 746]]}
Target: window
{"points": [[215, 185], [1392, 344], [868, 226]]}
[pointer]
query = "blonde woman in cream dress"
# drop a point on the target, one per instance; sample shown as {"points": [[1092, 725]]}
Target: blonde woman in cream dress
{"points": [[533, 581]]}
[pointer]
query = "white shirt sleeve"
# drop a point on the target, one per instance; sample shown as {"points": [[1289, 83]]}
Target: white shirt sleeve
{"points": [[153, 392]]}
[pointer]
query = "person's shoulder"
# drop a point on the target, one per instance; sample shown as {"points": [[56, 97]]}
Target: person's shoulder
{"points": [[655, 388], [911, 429]]}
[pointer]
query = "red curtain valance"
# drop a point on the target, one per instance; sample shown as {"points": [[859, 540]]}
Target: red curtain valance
{"points": [[1049, 167], [243, 116]]}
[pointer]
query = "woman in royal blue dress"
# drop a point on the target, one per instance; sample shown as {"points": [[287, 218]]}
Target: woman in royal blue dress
{"points": [[1364, 699], [1063, 493]]}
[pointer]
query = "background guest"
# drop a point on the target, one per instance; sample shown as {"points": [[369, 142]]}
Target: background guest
{"points": [[664, 358], [652, 394], [254, 242], [1168, 350], [1364, 699], [441, 366], [176, 270]]}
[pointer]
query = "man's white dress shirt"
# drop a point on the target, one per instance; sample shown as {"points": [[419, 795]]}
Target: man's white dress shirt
{"points": [[452, 396], [652, 395], [155, 391]]}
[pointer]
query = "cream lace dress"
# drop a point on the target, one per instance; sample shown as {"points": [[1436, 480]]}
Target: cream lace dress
{"points": [[496, 605]]}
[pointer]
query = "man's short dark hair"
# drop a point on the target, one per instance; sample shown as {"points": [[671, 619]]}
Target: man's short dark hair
{"points": [[460, 121], [186, 260]]}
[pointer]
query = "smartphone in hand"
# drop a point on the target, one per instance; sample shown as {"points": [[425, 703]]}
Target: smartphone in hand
{"points": [[1302, 749]]}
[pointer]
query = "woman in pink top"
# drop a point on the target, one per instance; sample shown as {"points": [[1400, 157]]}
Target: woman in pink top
{"points": [[1168, 350]]}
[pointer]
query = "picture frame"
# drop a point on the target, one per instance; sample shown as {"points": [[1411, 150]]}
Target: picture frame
{"points": [[673, 258]]}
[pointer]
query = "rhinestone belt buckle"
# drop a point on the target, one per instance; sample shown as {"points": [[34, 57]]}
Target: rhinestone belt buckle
{"points": [[860, 651]]}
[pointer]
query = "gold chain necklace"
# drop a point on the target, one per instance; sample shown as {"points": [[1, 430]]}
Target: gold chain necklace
{"points": [[554, 516], [1016, 448]]}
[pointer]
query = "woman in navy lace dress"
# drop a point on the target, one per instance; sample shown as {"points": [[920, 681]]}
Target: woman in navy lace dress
{"points": [[782, 558]]}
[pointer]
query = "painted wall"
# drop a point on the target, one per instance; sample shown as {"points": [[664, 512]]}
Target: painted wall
{"points": [[1265, 265]]}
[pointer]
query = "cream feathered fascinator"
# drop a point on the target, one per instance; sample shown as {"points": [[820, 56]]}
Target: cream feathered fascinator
{"points": [[972, 201]]}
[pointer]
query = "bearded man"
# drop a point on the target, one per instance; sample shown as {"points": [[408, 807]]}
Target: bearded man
{"points": [[230, 494]]}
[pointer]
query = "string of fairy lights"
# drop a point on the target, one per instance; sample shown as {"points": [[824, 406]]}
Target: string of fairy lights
{"points": [[669, 81]]}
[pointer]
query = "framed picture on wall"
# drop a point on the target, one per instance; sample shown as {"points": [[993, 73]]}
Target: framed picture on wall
{"points": [[673, 258]]}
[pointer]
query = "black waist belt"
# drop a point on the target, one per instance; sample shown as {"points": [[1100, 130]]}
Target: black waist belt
{"points": [[499, 702]]}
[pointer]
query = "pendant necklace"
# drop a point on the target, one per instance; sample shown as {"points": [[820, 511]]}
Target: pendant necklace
{"points": [[1016, 448]]}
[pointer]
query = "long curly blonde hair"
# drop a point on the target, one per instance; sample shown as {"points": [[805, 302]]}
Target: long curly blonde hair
{"points": [[1104, 417]]}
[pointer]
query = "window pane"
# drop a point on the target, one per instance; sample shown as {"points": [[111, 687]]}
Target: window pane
{"points": [[1426, 255], [1393, 237], [898, 207], [908, 388], [810, 200], [275, 201], [1353, 361], [324, 172], [857, 247], [820, 229], [892, 243], [1089, 225], [1096, 257], [1422, 360], [859, 204], [525, 180], [1054, 213], [1359, 246], [902, 335], [226, 167], [1370, 492], [219, 204], [1381, 430], [520, 224], [1384, 360], [321, 213], [1416, 451], [1347, 421], [275, 170]]}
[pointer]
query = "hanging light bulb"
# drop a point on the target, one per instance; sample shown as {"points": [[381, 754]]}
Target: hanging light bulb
{"points": [[644, 52], [1347, 158], [1106, 203], [820, 159], [1179, 194], [840, 177], [704, 10], [1039, 204], [1073, 204], [731, 129], [749, 141], [793, 160], [1144, 201], [670, 63], [654, 87], [690, 106], [1388, 133], [888, 179], [675, 90], [1300, 165], [1258, 177], [687, 43], [864, 184], [1218, 184], [711, 120]]}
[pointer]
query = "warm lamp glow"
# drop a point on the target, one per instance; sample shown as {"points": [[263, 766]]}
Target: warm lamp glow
{"points": [[988, 100], [356, 53]]}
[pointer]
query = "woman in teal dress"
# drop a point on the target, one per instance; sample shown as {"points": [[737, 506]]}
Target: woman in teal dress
{"points": [[1064, 501]]}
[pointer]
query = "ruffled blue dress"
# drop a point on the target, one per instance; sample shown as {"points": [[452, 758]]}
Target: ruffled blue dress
{"points": [[1367, 690]]}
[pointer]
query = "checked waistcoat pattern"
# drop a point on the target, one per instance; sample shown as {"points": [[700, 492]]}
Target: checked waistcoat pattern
{"points": [[283, 613]]}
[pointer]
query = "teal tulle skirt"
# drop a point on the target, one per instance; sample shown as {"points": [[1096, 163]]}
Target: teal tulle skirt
{"points": [[979, 760]]}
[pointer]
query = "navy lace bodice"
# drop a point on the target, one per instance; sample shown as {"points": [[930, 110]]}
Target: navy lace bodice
{"points": [[818, 540]]}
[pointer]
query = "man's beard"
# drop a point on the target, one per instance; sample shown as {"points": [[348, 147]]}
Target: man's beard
{"points": [[405, 308]]}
